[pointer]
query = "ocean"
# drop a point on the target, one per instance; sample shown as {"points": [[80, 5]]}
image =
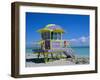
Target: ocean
{"points": [[79, 51]]}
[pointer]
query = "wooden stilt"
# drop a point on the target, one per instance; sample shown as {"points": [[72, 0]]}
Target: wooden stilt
{"points": [[38, 55], [45, 57]]}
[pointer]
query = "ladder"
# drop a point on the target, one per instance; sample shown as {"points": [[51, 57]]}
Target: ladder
{"points": [[69, 52]]}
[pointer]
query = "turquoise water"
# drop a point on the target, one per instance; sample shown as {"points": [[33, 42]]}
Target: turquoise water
{"points": [[79, 51]]}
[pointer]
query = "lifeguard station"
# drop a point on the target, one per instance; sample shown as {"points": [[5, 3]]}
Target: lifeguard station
{"points": [[52, 43]]}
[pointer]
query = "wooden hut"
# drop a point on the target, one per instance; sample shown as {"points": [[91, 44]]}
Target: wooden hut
{"points": [[51, 36], [51, 42]]}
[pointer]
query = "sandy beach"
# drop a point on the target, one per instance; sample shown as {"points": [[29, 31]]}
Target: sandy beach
{"points": [[33, 61]]}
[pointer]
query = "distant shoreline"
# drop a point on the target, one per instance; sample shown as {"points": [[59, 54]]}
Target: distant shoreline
{"points": [[28, 47], [79, 51]]}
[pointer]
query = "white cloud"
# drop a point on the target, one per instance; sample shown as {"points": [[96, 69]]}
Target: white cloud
{"points": [[81, 41], [73, 40]]}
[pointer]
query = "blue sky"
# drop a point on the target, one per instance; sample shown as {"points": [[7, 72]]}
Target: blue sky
{"points": [[76, 26]]}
